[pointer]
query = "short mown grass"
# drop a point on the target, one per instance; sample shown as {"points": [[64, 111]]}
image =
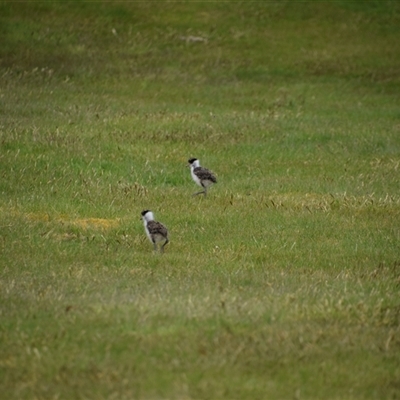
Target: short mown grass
{"points": [[282, 283]]}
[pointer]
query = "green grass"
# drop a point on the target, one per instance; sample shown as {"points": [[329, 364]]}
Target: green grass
{"points": [[282, 283]]}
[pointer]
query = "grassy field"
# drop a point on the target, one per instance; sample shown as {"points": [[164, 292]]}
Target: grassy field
{"points": [[283, 283]]}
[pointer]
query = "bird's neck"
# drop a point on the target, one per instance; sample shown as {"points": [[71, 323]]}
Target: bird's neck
{"points": [[149, 217]]}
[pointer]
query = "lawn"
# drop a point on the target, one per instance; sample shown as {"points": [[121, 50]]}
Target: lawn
{"points": [[283, 282]]}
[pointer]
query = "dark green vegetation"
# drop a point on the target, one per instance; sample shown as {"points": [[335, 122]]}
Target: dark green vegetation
{"points": [[283, 283]]}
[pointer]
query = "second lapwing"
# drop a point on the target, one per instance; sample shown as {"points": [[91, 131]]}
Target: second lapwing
{"points": [[202, 176], [155, 231]]}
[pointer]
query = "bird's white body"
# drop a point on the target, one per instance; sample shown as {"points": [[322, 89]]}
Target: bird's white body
{"points": [[194, 176], [149, 216]]}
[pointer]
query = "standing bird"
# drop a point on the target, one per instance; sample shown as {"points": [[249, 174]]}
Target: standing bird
{"points": [[202, 176], [155, 231]]}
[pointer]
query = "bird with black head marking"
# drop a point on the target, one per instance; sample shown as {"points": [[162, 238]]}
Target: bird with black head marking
{"points": [[202, 176], [155, 231]]}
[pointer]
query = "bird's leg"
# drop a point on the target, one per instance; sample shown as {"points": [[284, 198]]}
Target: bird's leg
{"points": [[155, 246], [201, 192], [162, 247]]}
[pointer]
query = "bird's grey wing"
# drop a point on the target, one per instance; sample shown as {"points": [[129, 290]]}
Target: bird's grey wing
{"points": [[205, 174], [157, 228]]}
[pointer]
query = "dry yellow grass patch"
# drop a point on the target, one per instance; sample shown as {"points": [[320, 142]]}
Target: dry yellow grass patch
{"points": [[84, 223], [95, 223]]}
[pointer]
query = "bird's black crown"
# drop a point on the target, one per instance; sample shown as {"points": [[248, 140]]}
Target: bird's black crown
{"points": [[144, 212], [192, 160]]}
